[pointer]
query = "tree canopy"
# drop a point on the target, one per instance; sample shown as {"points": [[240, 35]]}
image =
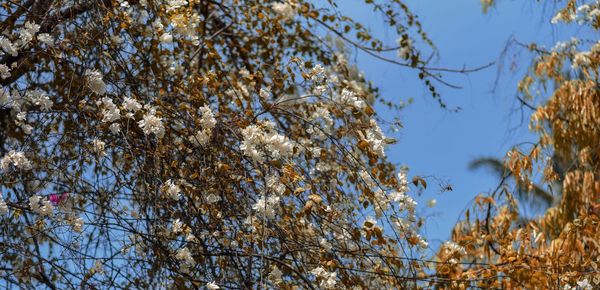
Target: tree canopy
{"points": [[560, 248], [192, 143]]}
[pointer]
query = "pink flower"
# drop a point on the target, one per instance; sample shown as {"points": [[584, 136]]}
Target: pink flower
{"points": [[55, 199]]}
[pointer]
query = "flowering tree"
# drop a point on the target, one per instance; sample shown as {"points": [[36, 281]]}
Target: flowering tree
{"points": [[492, 247], [201, 143]]}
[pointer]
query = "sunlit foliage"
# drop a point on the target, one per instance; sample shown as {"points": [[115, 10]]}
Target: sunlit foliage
{"points": [[560, 249]]}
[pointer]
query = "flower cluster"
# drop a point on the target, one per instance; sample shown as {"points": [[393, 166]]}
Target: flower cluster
{"points": [[207, 123], [583, 59], [41, 206], [110, 111], [185, 256], [266, 206], [25, 35], [95, 82], [452, 252], [3, 206], [177, 226], [175, 4], [98, 147], [39, 99], [21, 121], [406, 46], [151, 124], [350, 99], [587, 13], [131, 105], [212, 286], [328, 279], [580, 285], [172, 190], [16, 159], [77, 224], [8, 47], [376, 138], [258, 141], [4, 71], [286, 10]]}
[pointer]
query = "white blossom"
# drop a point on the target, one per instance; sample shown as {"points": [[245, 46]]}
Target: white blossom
{"points": [[131, 104], [8, 47], [382, 201], [177, 226], [376, 139], [98, 267], [285, 10], [253, 136], [422, 242], [321, 113], [41, 99], [4, 71], [27, 32], [212, 286], [349, 98], [212, 198], [559, 17], [317, 73], [587, 13], [110, 112], [325, 244], [175, 4], [5, 96], [98, 147], [185, 256], [264, 93], [320, 90], [115, 128], [274, 184], [21, 117], [266, 206], [77, 225], [452, 248], [207, 122], [152, 124], [95, 82], [405, 48], [15, 158], [200, 138], [41, 206], [166, 38], [116, 39], [21, 121], [403, 181], [46, 39], [328, 279], [585, 285], [581, 59], [3, 206], [172, 190], [566, 46], [279, 146]]}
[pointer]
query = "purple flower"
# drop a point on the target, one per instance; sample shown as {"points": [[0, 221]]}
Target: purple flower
{"points": [[55, 199]]}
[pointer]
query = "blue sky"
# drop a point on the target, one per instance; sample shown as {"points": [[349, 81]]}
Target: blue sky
{"points": [[435, 142]]}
